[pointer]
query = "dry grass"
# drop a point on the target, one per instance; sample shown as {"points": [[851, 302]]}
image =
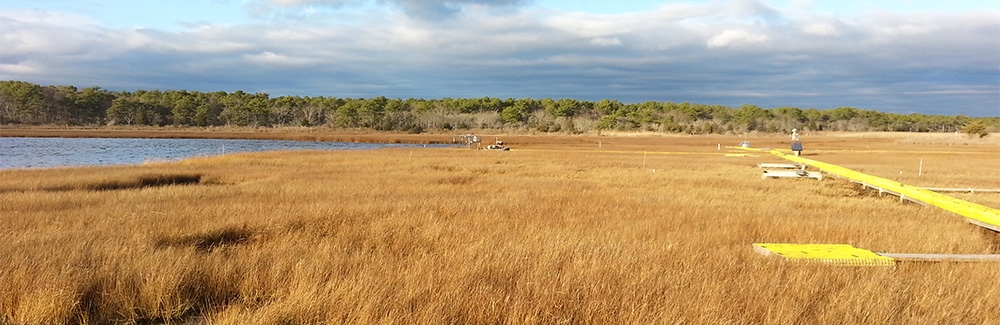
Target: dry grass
{"points": [[557, 230]]}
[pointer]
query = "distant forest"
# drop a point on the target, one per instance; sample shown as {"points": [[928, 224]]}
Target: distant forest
{"points": [[31, 104]]}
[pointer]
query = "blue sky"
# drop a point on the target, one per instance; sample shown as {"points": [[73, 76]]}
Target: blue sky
{"points": [[904, 56]]}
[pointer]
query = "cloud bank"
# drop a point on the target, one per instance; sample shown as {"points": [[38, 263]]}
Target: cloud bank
{"points": [[730, 53]]}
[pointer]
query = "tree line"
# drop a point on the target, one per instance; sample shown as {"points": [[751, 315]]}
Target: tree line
{"points": [[32, 104]]}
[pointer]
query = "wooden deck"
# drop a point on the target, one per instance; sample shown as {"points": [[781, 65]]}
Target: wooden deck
{"points": [[781, 165], [791, 174], [842, 254], [962, 190], [943, 257], [834, 254]]}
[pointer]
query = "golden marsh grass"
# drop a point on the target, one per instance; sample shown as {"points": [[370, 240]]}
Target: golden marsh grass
{"points": [[559, 230]]}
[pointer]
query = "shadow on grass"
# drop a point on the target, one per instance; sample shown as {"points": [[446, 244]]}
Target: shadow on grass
{"points": [[146, 181], [209, 241], [993, 237], [140, 182]]}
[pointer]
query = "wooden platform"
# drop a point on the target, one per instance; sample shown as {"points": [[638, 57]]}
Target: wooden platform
{"points": [[943, 257], [847, 255], [988, 225], [962, 190], [882, 191], [780, 165], [791, 174], [835, 254]]}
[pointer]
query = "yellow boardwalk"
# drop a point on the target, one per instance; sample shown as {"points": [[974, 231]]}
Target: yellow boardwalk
{"points": [[842, 254], [837, 254], [977, 214]]}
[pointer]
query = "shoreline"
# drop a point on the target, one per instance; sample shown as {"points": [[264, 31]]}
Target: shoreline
{"points": [[520, 138], [247, 134]]}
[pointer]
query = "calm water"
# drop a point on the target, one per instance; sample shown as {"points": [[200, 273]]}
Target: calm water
{"points": [[57, 152]]}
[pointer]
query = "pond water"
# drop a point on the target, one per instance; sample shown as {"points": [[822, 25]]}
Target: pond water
{"points": [[60, 152]]}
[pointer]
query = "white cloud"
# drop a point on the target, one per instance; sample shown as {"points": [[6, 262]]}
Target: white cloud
{"points": [[732, 36], [606, 41], [25, 68], [214, 47], [31, 31], [821, 29], [907, 29], [271, 58]]}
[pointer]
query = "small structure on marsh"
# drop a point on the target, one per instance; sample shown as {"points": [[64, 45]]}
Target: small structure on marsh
{"points": [[476, 142], [470, 140], [498, 145], [796, 145]]}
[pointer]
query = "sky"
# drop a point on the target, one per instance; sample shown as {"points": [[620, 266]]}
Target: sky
{"points": [[900, 56]]}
